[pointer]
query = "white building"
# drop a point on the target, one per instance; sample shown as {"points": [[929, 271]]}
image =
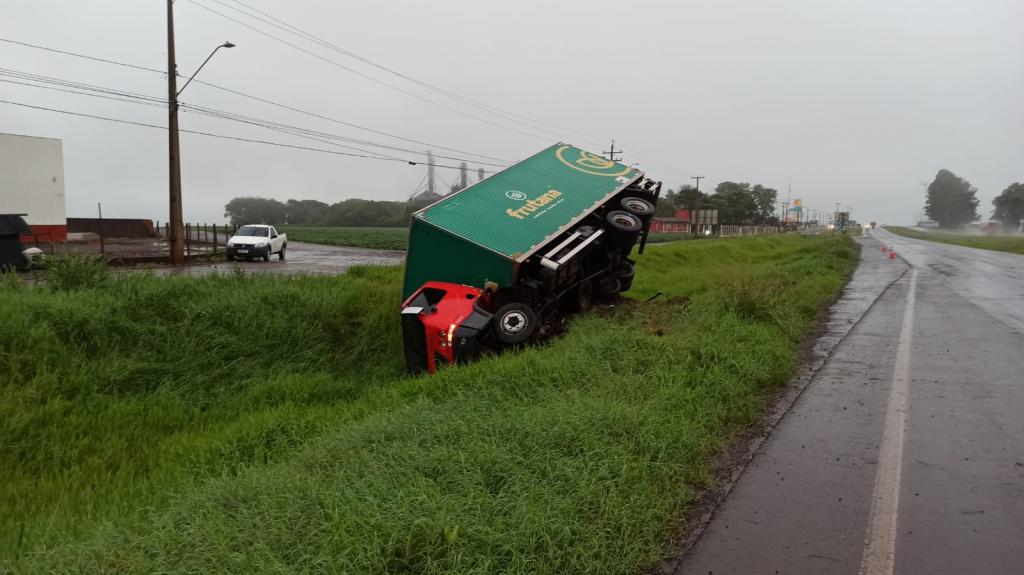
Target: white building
{"points": [[32, 183]]}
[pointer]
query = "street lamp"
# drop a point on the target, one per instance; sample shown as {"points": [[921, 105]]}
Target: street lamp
{"points": [[224, 45], [177, 226]]}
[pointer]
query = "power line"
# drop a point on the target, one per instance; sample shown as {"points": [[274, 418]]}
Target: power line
{"points": [[285, 26], [221, 136], [150, 100], [76, 55], [368, 77], [255, 98]]}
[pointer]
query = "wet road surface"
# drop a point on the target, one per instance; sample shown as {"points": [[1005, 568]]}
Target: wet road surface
{"points": [[300, 258], [905, 453]]}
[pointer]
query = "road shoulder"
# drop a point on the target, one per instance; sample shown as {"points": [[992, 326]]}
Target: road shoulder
{"points": [[875, 273]]}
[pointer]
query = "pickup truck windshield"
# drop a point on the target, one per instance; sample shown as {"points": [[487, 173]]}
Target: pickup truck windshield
{"points": [[253, 231]]}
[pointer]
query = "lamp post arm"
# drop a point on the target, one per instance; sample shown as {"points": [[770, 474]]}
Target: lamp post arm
{"points": [[198, 69]]}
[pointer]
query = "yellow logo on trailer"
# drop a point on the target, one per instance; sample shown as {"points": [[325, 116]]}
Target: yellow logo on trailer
{"points": [[533, 205], [589, 163]]}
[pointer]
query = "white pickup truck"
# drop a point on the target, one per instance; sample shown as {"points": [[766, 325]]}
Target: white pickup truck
{"points": [[257, 241]]}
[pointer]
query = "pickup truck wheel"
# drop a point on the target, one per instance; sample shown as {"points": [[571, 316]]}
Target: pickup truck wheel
{"points": [[280, 254], [231, 258], [266, 256], [637, 206], [514, 323]]}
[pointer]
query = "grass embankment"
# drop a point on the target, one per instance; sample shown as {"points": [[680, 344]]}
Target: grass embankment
{"points": [[1012, 244], [376, 238], [153, 424]]}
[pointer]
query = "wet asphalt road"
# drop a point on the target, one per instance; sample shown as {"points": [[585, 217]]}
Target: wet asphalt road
{"points": [[300, 258], [905, 453]]}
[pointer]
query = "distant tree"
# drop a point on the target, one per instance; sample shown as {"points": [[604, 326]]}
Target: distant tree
{"points": [[666, 207], [366, 213], [248, 210], [310, 212], [765, 199], [950, 200], [735, 203], [1010, 205], [690, 199]]}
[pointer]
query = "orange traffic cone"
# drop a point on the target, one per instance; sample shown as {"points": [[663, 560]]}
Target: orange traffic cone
{"points": [[892, 255]]}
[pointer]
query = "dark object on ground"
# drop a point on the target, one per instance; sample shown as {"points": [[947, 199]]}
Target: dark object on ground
{"points": [[12, 227]]}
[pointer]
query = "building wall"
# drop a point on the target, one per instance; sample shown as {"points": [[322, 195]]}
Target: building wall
{"points": [[32, 183]]}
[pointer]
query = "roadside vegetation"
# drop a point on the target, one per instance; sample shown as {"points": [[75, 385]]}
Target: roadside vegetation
{"points": [[1012, 244], [167, 424], [375, 238]]}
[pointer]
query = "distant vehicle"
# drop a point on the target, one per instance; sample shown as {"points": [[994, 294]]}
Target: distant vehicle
{"points": [[257, 241], [927, 224], [502, 261], [873, 225]]}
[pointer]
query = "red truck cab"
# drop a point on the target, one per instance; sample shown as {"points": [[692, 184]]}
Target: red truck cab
{"points": [[443, 323]]}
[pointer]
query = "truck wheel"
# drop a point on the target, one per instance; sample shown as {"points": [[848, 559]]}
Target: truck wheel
{"points": [[231, 258], [280, 254], [608, 285], [582, 297], [266, 256], [623, 222], [638, 207], [625, 271], [514, 323]]}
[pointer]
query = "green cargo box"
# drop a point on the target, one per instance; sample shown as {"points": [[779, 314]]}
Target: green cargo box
{"points": [[484, 232]]}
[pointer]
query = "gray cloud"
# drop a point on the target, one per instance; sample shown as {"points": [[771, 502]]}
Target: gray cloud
{"points": [[856, 102]]}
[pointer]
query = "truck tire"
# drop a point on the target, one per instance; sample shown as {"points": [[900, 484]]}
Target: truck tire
{"points": [[639, 207], [625, 271], [280, 254], [623, 222], [608, 285], [231, 258], [514, 323], [582, 297], [266, 256]]}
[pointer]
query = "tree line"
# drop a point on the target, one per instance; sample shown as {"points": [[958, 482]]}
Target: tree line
{"points": [[737, 203], [950, 201], [353, 212]]}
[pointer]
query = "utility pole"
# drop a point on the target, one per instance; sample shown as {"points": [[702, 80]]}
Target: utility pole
{"points": [[611, 153], [463, 176], [177, 228], [480, 175], [696, 200]]}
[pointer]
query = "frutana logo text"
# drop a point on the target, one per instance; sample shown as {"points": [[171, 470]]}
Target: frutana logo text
{"points": [[533, 205]]}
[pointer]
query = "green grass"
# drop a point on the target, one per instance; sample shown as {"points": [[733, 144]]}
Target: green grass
{"points": [[1012, 244], [143, 432], [376, 238]]}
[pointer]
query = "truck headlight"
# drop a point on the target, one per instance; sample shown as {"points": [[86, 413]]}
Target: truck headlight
{"points": [[261, 245]]}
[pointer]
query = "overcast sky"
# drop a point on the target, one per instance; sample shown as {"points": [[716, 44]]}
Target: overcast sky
{"points": [[858, 102]]}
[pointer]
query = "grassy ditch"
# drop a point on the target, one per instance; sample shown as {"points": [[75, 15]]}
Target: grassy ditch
{"points": [[146, 429], [1012, 244], [376, 238]]}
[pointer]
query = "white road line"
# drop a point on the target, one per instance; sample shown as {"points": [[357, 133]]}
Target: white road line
{"points": [[880, 543]]}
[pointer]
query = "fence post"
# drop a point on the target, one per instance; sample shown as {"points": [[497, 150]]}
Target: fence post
{"points": [[214, 238], [188, 239]]}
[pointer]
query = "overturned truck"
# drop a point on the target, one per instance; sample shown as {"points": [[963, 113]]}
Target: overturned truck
{"points": [[504, 260]]}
